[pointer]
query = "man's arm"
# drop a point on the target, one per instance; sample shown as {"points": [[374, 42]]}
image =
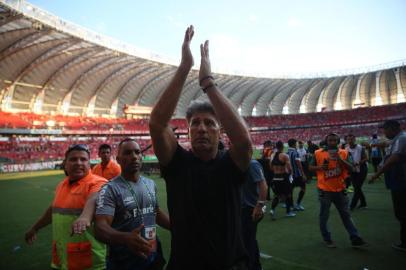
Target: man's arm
{"points": [[133, 240], [389, 162], [162, 219], [263, 189], [299, 165], [233, 124], [43, 221], [287, 161], [81, 224], [163, 138], [257, 175], [364, 157]]}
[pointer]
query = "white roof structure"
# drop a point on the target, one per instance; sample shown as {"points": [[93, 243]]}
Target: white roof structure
{"points": [[50, 65]]}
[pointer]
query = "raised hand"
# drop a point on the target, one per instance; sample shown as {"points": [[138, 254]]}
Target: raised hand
{"points": [[187, 57], [205, 67]]}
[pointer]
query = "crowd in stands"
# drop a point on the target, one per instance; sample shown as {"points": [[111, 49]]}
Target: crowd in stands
{"points": [[312, 126], [344, 117]]}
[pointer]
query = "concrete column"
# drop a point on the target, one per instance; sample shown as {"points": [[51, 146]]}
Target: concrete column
{"points": [[400, 97], [378, 99]]}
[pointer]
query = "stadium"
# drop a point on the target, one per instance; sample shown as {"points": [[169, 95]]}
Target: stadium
{"points": [[61, 84]]}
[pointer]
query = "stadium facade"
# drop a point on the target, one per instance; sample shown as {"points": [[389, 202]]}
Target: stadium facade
{"points": [[48, 65]]}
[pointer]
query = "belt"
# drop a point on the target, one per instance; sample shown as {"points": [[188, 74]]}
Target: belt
{"points": [[278, 179]]}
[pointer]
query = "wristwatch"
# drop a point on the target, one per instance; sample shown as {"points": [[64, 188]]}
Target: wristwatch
{"points": [[261, 203]]}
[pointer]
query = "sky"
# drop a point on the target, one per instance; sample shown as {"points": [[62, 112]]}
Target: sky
{"points": [[264, 38]]}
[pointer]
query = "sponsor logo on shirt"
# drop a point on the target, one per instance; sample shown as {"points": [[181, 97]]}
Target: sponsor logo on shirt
{"points": [[128, 200], [145, 211]]}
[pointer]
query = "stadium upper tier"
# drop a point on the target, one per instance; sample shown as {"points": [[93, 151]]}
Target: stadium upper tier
{"points": [[50, 65]]}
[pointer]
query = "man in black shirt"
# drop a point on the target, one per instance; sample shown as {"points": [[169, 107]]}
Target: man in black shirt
{"points": [[203, 184]]}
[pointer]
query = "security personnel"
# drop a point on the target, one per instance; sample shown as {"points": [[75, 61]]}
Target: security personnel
{"points": [[107, 168], [331, 166], [73, 251]]}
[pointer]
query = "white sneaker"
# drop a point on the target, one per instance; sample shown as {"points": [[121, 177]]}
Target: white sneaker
{"points": [[290, 214], [299, 207], [272, 213]]}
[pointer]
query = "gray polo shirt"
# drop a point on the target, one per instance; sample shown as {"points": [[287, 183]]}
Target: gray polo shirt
{"points": [[250, 188], [395, 177], [130, 204]]}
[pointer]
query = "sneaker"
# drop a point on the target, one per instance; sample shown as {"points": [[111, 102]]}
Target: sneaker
{"points": [[362, 207], [298, 207], [400, 247], [330, 244], [272, 213], [358, 242], [290, 214]]}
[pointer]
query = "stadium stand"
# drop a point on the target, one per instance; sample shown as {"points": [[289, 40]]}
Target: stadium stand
{"points": [[61, 84], [360, 122]]}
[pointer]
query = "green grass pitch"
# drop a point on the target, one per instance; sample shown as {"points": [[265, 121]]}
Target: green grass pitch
{"points": [[293, 243]]}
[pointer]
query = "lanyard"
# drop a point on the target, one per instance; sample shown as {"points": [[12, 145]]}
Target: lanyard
{"points": [[131, 189]]}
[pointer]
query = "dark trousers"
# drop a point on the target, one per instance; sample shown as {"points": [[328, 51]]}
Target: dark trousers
{"points": [[357, 180], [340, 200], [249, 233], [399, 207]]}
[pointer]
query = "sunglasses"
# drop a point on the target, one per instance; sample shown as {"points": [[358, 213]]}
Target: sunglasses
{"points": [[78, 147]]}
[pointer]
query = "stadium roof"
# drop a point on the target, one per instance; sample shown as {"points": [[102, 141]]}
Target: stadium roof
{"points": [[50, 65]]}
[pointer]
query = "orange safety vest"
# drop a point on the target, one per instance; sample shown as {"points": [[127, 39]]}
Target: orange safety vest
{"points": [[75, 251], [109, 172], [332, 179]]}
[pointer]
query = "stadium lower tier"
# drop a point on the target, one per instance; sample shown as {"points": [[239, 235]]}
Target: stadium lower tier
{"points": [[19, 149]]}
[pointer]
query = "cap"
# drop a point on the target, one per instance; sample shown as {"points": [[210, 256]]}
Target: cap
{"points": [[390, 124]]}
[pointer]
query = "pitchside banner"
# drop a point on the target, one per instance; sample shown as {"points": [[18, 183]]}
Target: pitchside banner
{"points": [[5, 168]]}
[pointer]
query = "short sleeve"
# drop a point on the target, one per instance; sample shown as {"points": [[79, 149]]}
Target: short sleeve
{"points": [[105, 203], [118, 168], [256, 172], [399, 146]]}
